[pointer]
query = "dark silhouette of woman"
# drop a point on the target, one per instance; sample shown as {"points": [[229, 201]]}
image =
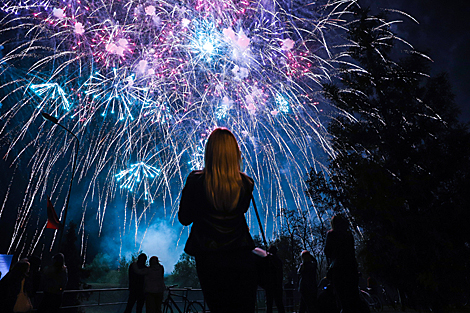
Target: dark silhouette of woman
{"points": [[307, 283], [274, 289], [339, 250], [11, 283], [54, 281], [136, 285], [215, 200]]}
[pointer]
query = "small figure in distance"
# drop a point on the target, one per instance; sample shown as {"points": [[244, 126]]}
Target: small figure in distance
{"points": [[215, 200], [274, 287], [340, 253], [307, 283], [54, 281], [154, 285], [136, 286]]}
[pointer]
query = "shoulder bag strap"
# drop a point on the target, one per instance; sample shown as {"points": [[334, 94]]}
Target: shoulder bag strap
{"points": [[259, 222]]}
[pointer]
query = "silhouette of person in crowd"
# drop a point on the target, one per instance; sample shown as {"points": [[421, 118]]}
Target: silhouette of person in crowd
{"points": [[274, 287], [340, 253], [214, 200], [34, 277], [154, 285], [10, 285], [307, 282], [136, 286], [54, 281]]}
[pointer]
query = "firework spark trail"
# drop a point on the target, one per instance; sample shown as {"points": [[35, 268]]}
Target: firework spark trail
{"points": [[142, 84]]}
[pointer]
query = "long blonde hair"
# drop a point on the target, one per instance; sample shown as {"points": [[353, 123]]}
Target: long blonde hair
{"points": [[223, 181]]}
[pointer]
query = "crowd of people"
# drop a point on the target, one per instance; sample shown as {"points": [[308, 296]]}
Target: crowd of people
{"points": [[18, 288], [214, 201]]}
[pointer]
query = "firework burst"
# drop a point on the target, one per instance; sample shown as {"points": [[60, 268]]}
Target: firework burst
{"points": [[142, 83]]}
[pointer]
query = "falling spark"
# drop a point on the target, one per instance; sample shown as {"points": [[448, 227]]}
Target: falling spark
{"points": [[140, 78]]}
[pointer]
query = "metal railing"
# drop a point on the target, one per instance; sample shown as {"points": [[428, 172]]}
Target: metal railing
{"points": [[96, 298], [93, 298], [96, 295]]}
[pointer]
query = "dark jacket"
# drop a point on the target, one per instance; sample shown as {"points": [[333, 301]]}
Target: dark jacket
{"points": [[339, 249], [276, 275], [212, 230], [136, 281], [153, 277], [308, 277]]}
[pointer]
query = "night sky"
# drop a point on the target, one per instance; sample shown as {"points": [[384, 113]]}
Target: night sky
{"points": [[443, 33]]}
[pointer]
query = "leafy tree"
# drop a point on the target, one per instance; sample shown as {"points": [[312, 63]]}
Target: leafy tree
{"points": [[124, 271], [402, 167], [184, 274], [103, 270], [99, 267]]}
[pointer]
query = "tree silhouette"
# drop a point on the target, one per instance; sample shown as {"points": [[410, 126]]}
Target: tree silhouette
{"points": [[402, 167], [184, 273]]}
